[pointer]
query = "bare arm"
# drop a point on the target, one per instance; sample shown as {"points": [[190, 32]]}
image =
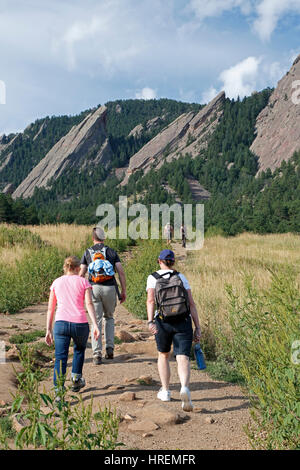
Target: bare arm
{"points": [[122, 277], [194, 314], [83, 270], [90, 306], [151, 309], [50, 316], [91, 311]]}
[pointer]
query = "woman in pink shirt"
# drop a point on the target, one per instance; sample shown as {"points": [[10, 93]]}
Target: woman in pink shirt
{"points": [[68, 293]]}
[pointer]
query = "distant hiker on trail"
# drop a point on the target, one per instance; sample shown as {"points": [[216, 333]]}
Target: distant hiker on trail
{"points": [[170, 292], [101, 262], [69, 292], [168, 232], [183, 235]]}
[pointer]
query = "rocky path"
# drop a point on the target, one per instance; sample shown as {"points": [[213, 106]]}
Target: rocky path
{"points": [[130, 383]]}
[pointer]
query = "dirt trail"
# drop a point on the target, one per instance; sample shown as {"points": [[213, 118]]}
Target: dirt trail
{"points": [[220, 413]]}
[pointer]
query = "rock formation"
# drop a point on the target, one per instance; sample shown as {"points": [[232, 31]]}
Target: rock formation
{"points": [[189, 133], [149, 126], [9, 189], [278, 124], [86, 144]]}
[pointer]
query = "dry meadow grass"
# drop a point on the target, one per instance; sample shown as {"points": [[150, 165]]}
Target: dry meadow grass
{"points": [[64, 236], [224, 261]]}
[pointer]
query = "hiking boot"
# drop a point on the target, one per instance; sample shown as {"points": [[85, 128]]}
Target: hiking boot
{"points": [[164, 395], [78, 384], [109, 353], [185, 396], [97, 360]]}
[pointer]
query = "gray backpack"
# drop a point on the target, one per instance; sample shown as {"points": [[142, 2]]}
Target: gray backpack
{"points": [[170, 296]]}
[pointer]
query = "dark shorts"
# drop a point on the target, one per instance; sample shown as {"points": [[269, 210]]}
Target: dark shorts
{"points": [[179, 333]]}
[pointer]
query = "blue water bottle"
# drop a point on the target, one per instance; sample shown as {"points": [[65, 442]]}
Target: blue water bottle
{"points": [[199, 356]]}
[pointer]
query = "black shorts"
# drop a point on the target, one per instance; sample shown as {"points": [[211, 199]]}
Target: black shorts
{"points": [[179, 333]]}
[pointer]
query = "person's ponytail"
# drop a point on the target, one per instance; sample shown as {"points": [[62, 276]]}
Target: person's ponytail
{"points": [[71, 264]]}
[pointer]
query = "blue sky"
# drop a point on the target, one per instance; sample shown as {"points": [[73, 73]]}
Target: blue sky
{"points": [[64, 56]]}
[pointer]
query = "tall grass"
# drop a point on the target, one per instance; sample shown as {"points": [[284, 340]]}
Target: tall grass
{"points": [[247, 293], [67, 238], [224, 261], [59, 426], [74, 239], [31, 258], [265, 325]]}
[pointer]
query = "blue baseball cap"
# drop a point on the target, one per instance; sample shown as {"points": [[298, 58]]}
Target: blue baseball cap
{"points": [[167, 255]]}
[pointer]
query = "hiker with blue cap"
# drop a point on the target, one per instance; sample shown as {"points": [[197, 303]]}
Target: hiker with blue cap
{"points": [[171, 310]]}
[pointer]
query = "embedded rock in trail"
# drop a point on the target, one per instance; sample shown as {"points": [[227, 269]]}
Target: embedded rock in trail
{"points": [[144, 426], [161, 415], [85, 145], [189, 133], [128, 396], [125, 337], [278, 124]]}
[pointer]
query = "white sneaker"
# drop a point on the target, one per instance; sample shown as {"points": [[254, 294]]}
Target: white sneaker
{"points": [[185, 396], [164, 395]]}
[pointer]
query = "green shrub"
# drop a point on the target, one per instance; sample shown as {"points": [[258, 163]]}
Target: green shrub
{"points": [[26, 337], [224, 370], [265, 326], [29, 281], [214, 231], [12, 235], [59, 426], [6, 428]]}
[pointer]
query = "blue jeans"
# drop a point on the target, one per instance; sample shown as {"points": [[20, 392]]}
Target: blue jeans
{"points": [[64, 331]]}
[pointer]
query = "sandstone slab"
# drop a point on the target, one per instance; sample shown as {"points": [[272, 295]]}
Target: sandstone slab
{"points": [[278, 124], [143, 426]]}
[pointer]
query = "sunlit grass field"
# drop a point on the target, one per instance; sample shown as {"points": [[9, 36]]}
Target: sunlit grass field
{"points": [[67, 237], [246, 290], [226, 261]]}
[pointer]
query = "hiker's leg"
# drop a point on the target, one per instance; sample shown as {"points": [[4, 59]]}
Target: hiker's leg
{"points": [[163, 365], [184, 369], [80, 334], [163, 340], [97, 301], [109, 300], [182, 342], [62, 340]]}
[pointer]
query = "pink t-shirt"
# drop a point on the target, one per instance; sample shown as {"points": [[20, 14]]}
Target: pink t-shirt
{"points": [[70, 292]]}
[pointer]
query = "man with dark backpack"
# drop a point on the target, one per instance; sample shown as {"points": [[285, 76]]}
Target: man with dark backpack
{"points": [[101, 262], [171, 323]]}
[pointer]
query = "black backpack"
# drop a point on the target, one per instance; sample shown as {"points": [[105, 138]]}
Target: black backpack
{"points": [[170, 296]]}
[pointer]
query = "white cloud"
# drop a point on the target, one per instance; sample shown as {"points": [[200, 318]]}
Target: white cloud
{"points": [[146, 94], [209, 8], [276, 71], [84, 52], [209, 95], [239, 80], [270, 12]]}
